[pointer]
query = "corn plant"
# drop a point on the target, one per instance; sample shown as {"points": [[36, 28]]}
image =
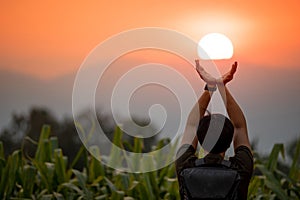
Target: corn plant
{"points": [[48, 175], [273, 183]]}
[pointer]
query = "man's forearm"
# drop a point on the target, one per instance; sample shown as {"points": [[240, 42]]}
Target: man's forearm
{"points": [[237, 117], [235, 112], [203, 102], [198, 111]]}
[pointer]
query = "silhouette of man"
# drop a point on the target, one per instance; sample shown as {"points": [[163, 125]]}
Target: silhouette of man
{"points": [[218, 128]]}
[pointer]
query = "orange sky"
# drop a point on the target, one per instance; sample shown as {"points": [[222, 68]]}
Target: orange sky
{"points": [[51, 38]]}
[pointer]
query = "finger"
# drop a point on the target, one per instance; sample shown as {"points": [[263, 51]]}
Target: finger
{"points": [[199, 67], [233, 68], [202, 73]]}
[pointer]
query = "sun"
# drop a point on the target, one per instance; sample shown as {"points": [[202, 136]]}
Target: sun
{"points": [[215, 46]]}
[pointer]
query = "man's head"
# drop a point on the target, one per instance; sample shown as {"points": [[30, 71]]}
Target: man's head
{"points": [[210, 128]]}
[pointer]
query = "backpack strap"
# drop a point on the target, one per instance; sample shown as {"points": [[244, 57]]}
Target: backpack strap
{"points": [[226, 163], [200, 162]]}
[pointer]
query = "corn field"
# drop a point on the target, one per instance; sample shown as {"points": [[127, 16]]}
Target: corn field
{"points": [[50, 175]]}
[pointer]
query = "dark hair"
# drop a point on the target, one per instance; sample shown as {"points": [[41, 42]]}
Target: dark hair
{"points": [[217, 130]]}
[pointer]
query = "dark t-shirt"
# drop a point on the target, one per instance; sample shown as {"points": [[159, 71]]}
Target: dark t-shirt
{"points": [[242, 161]]}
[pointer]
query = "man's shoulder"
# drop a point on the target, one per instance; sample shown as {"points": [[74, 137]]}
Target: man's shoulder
{"points": [[242, 160], [185, 149], [185, 157], [243, 152]]}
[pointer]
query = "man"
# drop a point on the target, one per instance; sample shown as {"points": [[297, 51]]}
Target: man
{"points": [[221, 133]]}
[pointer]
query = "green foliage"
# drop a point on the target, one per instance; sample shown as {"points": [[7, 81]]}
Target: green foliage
{"points": [[273, 183], [48, 175]]}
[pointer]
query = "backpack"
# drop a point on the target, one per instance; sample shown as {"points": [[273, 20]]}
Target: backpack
{"points": [[210, 181]]}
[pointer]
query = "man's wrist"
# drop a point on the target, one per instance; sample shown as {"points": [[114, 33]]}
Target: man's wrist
{"points": [[210, 87]]}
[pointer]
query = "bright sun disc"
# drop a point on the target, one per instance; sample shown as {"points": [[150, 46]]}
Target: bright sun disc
{"points": [[215, 46]]}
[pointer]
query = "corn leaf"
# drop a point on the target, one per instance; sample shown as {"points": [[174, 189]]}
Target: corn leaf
{"points": [[116, 158], [273, 158], [294, 170], [43, 151], [2, 151], [60, 163], [28, 175]]}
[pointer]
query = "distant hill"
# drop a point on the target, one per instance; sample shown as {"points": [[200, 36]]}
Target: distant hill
{"points": [[271, 105], [19, 92]]}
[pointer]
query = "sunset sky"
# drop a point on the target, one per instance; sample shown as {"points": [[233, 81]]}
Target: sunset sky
{"points": [[49, 40]]}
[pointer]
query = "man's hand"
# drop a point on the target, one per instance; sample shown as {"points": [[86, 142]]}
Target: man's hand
{"points": [[209, 79], [229, 75]]}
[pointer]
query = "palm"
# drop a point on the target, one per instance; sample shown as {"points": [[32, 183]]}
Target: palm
{"points": [[209, 79]]}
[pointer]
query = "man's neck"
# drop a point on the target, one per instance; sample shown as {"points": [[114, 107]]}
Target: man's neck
{"points": [[222, 154]]}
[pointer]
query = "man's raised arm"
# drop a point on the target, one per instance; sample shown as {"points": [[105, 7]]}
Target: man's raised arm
{"points": [[237, 117], [189, 135], [199, 109], [234, 111]]}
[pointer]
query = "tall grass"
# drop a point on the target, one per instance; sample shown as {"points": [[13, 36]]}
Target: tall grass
{"points": [[50, 175]]}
